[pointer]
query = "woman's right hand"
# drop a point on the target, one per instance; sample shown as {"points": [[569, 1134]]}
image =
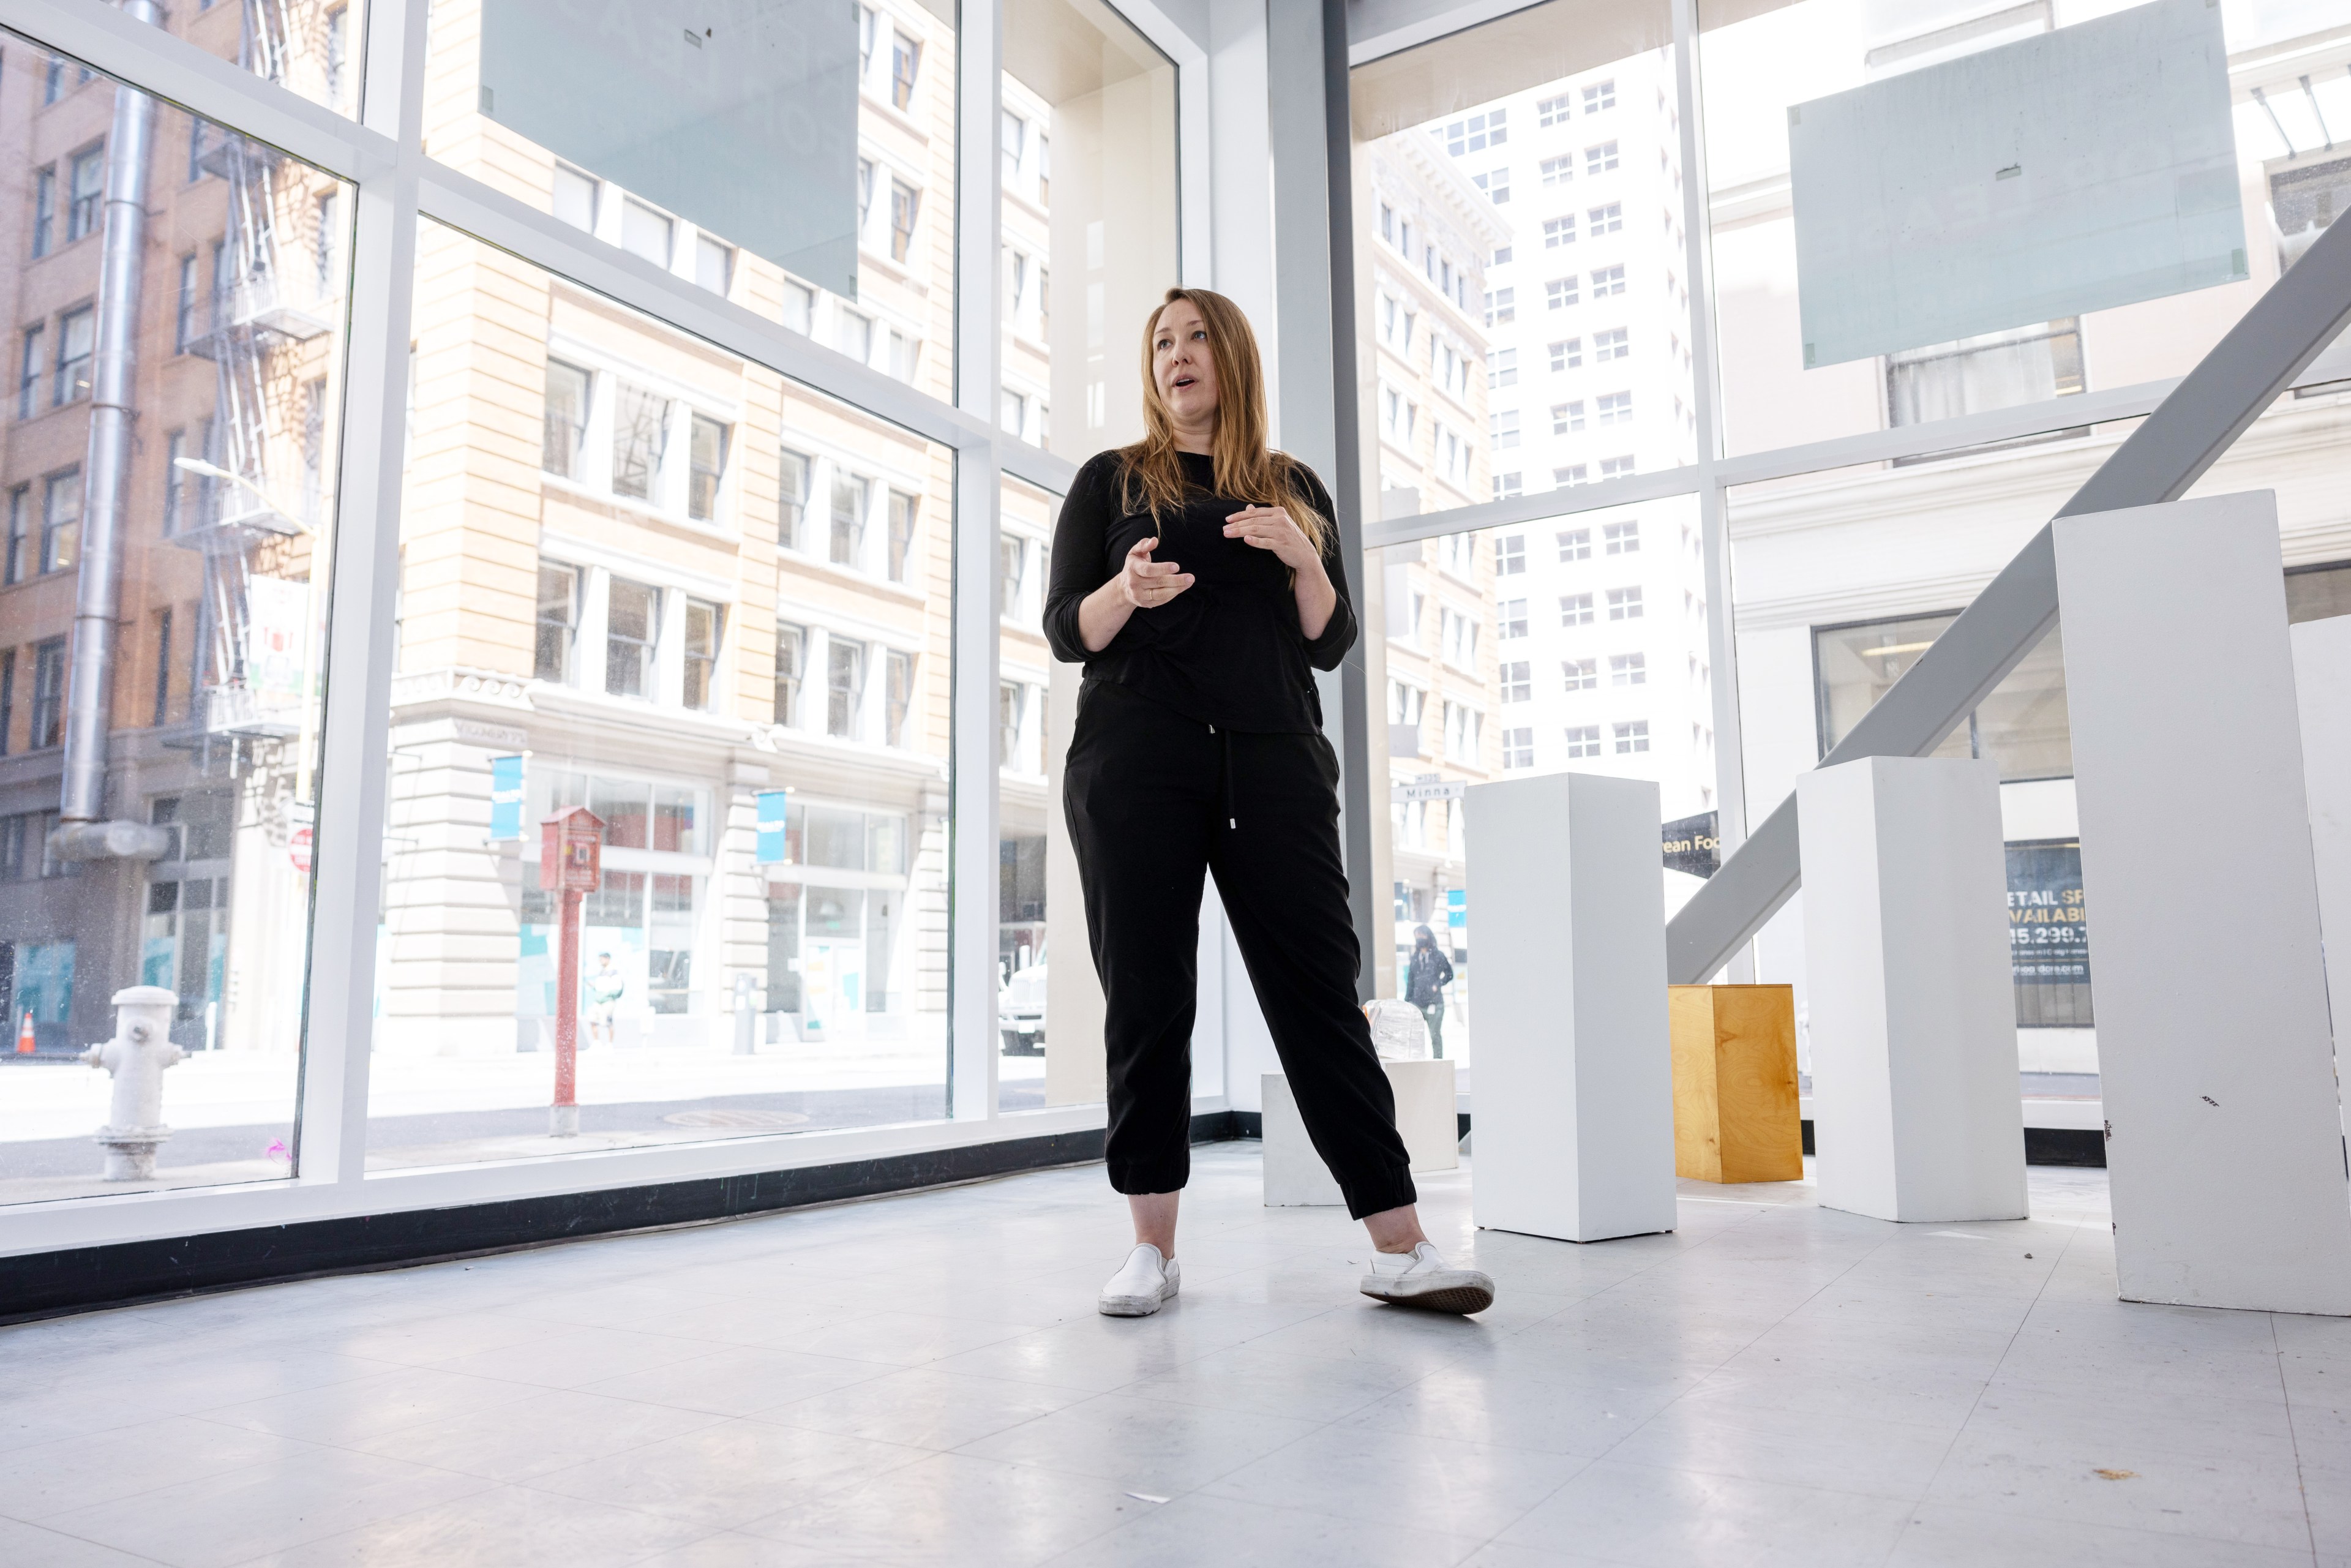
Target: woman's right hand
{"points": [[1144, 583]]}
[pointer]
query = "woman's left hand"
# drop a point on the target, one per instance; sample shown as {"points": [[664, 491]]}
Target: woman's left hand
{"points": [[1271, 527]]}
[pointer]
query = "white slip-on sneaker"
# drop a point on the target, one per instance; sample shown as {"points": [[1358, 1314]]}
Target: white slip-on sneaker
{"points": [[1145, 1284], [1421, 1278]]}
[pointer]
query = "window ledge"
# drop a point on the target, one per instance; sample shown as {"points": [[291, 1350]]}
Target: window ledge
{"points": [[635, 510], [908, 763], [849, 576]]}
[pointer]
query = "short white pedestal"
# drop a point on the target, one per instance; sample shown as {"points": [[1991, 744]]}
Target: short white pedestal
{"points": [[2322, 684], [2216, 1063], [1914, 1109], [1426, 1119], [1575, 1078]]}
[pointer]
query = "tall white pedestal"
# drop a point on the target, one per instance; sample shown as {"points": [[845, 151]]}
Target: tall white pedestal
{"points": [[2322, 685], [1915, 1113], [2225, 1155], [1427, 1120], [1575, 1082]]}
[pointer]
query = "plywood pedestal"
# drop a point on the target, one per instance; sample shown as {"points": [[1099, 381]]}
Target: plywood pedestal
{"points": [[1736, 1118]]}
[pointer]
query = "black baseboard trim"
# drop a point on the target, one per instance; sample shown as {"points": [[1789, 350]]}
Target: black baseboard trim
{"points": [[49, 1284], [2066, 1146]]}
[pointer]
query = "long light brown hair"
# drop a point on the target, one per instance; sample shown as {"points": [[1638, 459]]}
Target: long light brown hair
{"points": [[1246, 468]]}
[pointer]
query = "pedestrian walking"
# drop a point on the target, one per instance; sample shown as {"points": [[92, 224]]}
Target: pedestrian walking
{"points": [[1196, 575], [1429, 973]]}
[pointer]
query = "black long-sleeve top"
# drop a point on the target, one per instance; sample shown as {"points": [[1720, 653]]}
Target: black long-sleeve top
{"points": [[1227, 651]]}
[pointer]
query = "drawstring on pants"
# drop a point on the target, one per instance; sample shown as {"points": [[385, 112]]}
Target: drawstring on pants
{"points": [[1224, 776]]}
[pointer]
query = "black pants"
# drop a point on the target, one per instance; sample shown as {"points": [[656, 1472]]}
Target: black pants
{"points": [[1154, 799]]}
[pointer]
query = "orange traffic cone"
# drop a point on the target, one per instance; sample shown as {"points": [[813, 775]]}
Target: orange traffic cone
{"points": [[24, 1035]]}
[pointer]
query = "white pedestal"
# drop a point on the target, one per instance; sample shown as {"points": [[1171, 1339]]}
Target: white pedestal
{"points": [[1913, 1016], [2322, 684], [2225, 1158], [1575, 1080], [1295, 1175]]}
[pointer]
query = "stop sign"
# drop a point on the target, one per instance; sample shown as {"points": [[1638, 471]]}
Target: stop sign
{"points": [[298, 850]]}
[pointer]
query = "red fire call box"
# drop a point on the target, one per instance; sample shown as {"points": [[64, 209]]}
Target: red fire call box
{"points": [[571, 848]]}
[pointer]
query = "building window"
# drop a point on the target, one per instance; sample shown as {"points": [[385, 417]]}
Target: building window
{"points": [[1507, 485], [1998, 370], [1561, 478], [714, 264], [1575, 609], [195, 150], [8, 714], [1517, 748], [792, 494], [163, 709], [1623, 604], [1600, 160], [1600, 96], [76, 332], [647, 232], [1609, 345], [844, 686], [1501, 368], [1010, 701], [639, 437], [905, 60], [848, 521], [1016, 135], [53, 79], [1614, 408], [566, 432], [903, 510], [1517, 681], [633, 619], [1512, 616], [45, 211], [338, 53], [1628, 670], [1560, 293], [88, 194], [1501, 257], [1583, 675], [48, 714], [1460, 633], [791, 667], [1566, 418], [905, 201], [28, 373], [1607, 280], [1622, 539], [706, 460], [1633, 736], [1606, 219], [1566, 354], [1502, 305], [19, 564], [61, 520], [1496, 183], [1575, 544], [900, 696], [1615, 468], [326, 251], [1550, 111], [1558, 232], [183, 308], [1012, 412], [575, 193], [1505, 430], [1583, 740], [1557, 171], [1510, 555], [704, 623], [1462, 724], [1477, 132], [558, 617]]}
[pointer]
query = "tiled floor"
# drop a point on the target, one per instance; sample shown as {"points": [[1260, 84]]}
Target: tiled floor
{"points": [[923, 1380]]}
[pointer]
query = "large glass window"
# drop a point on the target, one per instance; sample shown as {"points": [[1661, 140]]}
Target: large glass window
{"points": [[766, 732], [201, 885], [816, 184]]}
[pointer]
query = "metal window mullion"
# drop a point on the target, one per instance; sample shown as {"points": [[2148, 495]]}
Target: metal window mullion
{"points": [[355, 735], [973, 1061], [222, 91]]}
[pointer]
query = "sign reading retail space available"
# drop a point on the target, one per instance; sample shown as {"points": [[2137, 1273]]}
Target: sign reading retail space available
{"points": [[570, 850]]}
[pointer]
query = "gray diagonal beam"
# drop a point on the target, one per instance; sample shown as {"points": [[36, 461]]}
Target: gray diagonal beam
{"points": [[2273, 342]]}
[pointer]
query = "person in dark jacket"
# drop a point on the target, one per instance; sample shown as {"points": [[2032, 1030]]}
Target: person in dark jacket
{"points": [[1431, 971], [1197, 576]]}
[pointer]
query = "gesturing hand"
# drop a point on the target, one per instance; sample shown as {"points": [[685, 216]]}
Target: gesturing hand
{"points": [[1271, 527], [1146, 583]]}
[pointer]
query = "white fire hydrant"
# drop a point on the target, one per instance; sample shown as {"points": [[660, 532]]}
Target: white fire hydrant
{"points": [[141, 1048]]}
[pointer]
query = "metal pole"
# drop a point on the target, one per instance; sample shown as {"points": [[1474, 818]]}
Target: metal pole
{"points": [[563, 1116], [107, 469]]}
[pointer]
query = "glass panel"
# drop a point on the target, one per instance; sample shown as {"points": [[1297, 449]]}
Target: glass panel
{"points": [[1521, 333], [758, 739], [2033, 236], [220, 477], [1573, 644], [1089, 201], [798, 159], [313, 48]]}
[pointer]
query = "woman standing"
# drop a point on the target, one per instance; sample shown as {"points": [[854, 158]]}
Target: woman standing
{"points": [[1425, 978], [1197, 576]]}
